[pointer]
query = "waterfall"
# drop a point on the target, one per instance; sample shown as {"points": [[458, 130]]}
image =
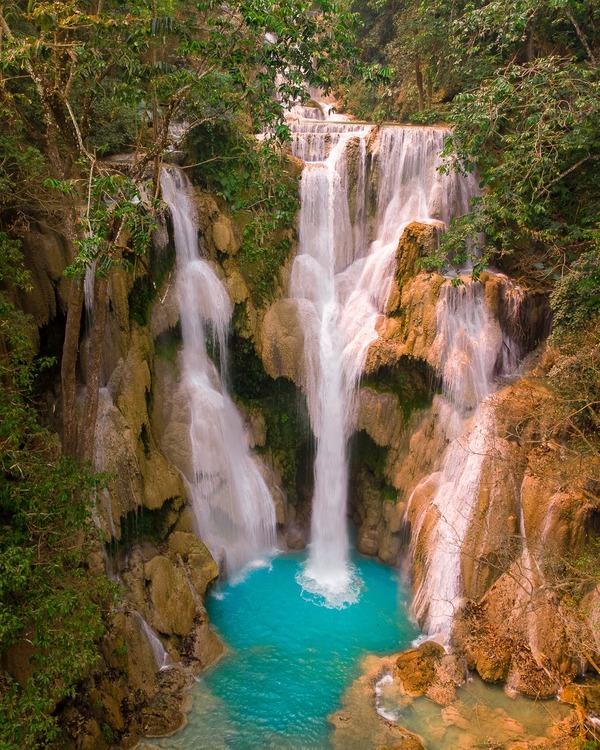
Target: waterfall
{"points": [[341, 284], [469, 348], [233, 508], [161, 657]]}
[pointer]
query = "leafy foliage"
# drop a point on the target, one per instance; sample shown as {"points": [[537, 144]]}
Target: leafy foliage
{"points": [[51, 601], [576, 297], [413, 42], [260, 186], [532, 134]]}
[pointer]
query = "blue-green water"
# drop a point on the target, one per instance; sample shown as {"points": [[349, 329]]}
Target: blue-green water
{"points": [[290, 659]]}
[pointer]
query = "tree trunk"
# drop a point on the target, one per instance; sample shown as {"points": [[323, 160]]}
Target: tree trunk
{"points": [[90, 413], [68, 365], [419, 77]]}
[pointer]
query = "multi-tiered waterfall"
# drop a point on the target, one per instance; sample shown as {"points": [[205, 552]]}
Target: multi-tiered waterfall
{"points": [[232, 504], [357, 183]]}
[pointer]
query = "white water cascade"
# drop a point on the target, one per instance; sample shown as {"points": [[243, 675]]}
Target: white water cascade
{"points": [[469, 348], [231, 502], [356, 182], [161, 657]]}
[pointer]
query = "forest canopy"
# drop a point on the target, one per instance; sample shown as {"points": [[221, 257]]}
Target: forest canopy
{"points": [[519, 83]]}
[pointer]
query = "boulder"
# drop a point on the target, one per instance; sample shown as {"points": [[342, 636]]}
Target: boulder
{"points": [[380, 416], [416, 667], [164, 313], [417, 241], [172, 606], [235, 283], [412, 334], [127, 650], [202, 569], [203, 645], [281, 343], [91, 737]]}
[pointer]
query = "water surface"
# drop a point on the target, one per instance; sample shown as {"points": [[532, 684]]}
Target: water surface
{"points": [[290, 657]]}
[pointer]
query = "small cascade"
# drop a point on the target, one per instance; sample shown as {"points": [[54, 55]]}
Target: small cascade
{"points": [[161, 657], [469, 348], [341, 284], [231, 502]]}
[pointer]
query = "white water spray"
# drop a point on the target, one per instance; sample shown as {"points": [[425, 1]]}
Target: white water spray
{"points": [[231, 502], [342, 284], [161, 657], [469, 350]]}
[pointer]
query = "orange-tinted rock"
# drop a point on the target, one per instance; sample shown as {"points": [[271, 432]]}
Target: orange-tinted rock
{"points": [[416, 667]]}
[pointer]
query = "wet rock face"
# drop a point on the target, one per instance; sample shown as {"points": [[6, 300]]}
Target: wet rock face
{"points": [[141, 476], [171, 599], [47, 256], [522, 632], [166, 587], [282, 339]]}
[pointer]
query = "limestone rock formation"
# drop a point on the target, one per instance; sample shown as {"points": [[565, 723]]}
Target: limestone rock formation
{"points": [[171, 600], [46, 256], [141, 476], [416, 667], [281, 342], [201, 567]]}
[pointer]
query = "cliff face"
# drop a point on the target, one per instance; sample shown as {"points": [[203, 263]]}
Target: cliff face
{"points": [[531, 506]]}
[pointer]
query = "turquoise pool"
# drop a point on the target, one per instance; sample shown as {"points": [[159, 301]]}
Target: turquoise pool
{"points": [[290, 657]]}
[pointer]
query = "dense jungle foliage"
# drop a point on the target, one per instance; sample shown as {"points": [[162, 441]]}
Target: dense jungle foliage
{"points": [[80, 82], [83, 82]]}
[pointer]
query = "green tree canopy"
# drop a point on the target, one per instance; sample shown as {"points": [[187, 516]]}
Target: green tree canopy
{"points": [[83, 79]]}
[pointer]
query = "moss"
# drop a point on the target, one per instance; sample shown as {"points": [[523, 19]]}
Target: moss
{"points": [[288, 433], [261, 258], [366, 454], [411, 380], [146, 285], [247, 376], [145, 525], [289, 439], [168, 344]]}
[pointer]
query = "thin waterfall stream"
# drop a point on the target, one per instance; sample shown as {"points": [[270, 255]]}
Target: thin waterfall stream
{"points": [[234, 510]]}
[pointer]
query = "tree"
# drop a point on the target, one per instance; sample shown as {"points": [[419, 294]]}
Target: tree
{"points": [[51, 599], [414, 39], [162, 62], [529, 126]]}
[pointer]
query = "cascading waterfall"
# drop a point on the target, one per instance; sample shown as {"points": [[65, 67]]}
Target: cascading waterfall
{"points": [[161, 657], [341, 285], [231, 502], [469, 349]]}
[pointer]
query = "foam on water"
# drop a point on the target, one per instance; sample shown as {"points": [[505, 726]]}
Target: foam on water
{"points": [[337, 591]]}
